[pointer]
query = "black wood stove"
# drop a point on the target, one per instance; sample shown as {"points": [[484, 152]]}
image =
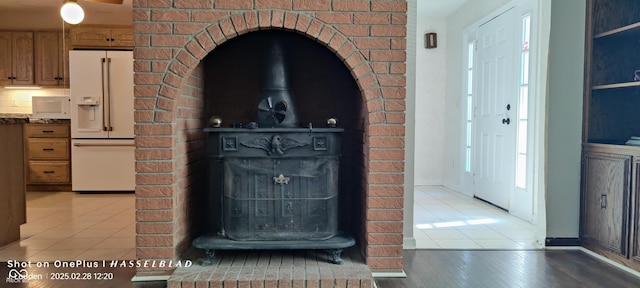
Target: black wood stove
{"points": [[275, 182]]}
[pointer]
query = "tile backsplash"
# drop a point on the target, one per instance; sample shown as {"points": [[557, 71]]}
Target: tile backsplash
{"points": [[19, 100]]}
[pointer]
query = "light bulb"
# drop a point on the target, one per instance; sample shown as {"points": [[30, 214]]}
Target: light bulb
{"points": [[71, 12]]}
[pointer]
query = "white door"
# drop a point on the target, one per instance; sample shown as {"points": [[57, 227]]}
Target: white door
{"points": [[495, 110], [86, 71], [120, 91], [103, 165], [101, 94]]}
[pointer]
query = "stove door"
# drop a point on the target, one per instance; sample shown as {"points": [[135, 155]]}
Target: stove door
{"points": [[280, 198]]}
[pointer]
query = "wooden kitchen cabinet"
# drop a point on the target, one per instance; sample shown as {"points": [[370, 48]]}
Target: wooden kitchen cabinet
{"points": [[121, 37], [50, 60], [16, 64], [47, 156], [99, 36]]}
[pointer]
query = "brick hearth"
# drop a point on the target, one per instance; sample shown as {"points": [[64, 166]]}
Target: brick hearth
{"points": [[271, 269], [172, 37]]}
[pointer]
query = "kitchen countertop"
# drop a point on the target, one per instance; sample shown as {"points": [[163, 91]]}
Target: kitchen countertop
{"points": [[13, 118]]}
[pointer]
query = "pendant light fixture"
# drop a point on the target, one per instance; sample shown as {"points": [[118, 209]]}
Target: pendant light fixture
{"points": [[71, 12]]}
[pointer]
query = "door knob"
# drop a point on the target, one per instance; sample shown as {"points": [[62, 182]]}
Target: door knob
{"points": [[506, 121]]}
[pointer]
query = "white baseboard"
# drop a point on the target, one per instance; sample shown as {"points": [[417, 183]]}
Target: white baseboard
{"points": [[409, 243], [427, 183], [150, 278], [452, 186], [389, 274]]}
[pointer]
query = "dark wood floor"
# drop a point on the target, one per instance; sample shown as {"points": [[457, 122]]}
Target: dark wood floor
{"points": [[484, 268], [424, 268]]}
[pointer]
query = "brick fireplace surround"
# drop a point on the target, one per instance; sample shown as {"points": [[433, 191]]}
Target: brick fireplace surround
{"points": [[171, 39]]}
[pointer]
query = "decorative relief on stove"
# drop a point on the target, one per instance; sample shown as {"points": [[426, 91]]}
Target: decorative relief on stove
{"points": [[261, 186], [288, 208], [229, 143], [320, 144], [281, 179], [262, 209], [275, 146], [237, 182]]}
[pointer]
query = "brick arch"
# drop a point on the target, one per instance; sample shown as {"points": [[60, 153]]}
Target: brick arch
{"points": [[161, 130], [237, 24]]}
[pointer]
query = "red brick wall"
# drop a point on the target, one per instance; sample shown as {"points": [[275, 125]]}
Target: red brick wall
{"points": [[172, 36]]}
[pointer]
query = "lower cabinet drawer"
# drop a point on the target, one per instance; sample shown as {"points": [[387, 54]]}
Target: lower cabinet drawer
{"points": [[49, 172], [48, 149]]}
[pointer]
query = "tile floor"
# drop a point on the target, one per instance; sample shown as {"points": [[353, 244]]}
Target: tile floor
{"points": [[445, 219], [69, 226]]}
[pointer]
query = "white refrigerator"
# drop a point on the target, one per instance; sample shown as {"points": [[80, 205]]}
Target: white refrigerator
{"points": [[102, 145]]}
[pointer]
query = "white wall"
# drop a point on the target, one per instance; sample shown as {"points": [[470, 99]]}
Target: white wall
{"points": [[19, 101], [564, 122], [431, 74], [409, 241]]}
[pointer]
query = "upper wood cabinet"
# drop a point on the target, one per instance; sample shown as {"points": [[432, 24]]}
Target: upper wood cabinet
{"points": [[16, 64], [121, 37], [102, 36], [50, 59]]}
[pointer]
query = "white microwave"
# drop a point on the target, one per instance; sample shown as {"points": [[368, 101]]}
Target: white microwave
{"points": [[50, 107]]}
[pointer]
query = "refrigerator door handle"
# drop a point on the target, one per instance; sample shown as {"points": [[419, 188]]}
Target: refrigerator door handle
{"points": [[109, 128], [104, 126]]}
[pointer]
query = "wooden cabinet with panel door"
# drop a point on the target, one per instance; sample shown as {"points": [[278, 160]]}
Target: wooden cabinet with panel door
{"points": [[606, 193], [635, 214], [99, 36], [16, 64], [50, 60]]}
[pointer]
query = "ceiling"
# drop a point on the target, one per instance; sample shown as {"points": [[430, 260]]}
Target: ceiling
{"points": [[44, 14]]}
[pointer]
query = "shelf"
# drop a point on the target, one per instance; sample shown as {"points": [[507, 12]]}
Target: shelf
{"points": [[628, 30], [612, 148], [617, 85]]}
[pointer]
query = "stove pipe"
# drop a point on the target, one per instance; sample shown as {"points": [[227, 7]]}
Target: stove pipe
{"points": [[277, 107]]}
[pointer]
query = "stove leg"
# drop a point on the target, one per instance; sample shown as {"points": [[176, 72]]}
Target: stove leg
{"points": [[335, 256], [211, 257]]}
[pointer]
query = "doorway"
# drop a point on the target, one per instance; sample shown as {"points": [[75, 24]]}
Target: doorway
{"points": [[499, 114]]}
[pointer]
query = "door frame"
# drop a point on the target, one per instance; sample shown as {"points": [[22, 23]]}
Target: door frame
{"points": [[526, 210]]}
